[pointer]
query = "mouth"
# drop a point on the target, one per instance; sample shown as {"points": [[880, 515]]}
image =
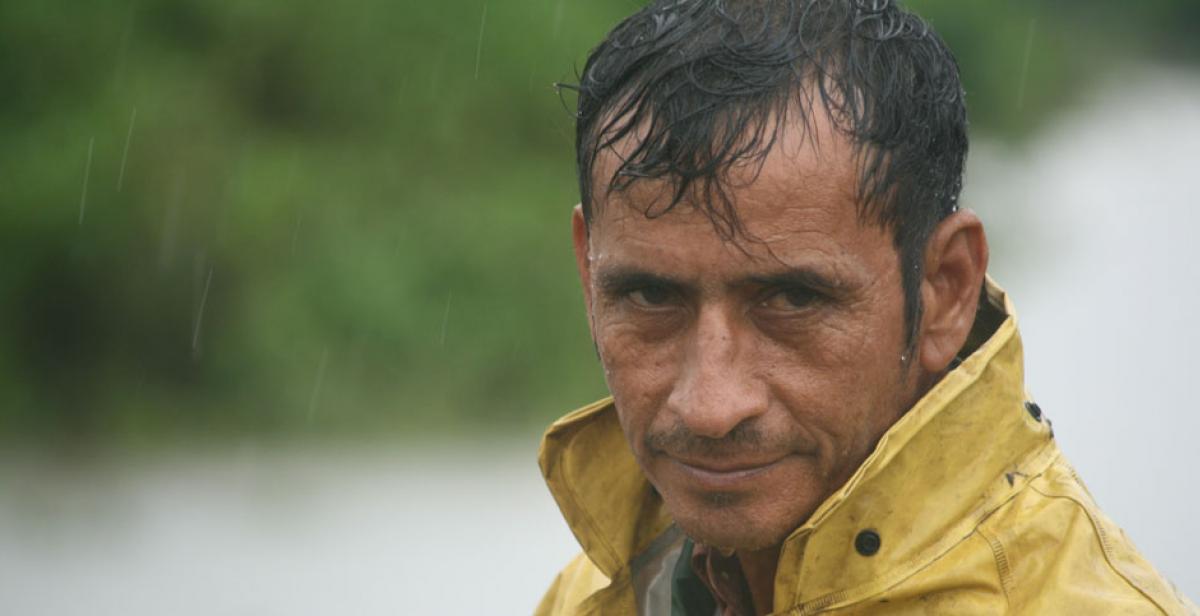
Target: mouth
{"points": [[723, 475]]}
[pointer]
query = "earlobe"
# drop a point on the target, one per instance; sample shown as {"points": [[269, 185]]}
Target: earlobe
{"points": [[955, 263]]}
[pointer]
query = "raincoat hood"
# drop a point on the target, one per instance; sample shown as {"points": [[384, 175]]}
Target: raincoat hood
{"points": [[972, 462]]}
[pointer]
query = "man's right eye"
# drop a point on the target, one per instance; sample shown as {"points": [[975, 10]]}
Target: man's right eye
{"points": [[650, 297]]}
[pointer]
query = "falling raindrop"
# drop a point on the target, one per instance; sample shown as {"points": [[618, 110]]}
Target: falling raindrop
{"points": [[87, 171], [479, 45], [200, 315], [125, 152], [1025, 62], [558, 19], [446, 318], [318, 381]]}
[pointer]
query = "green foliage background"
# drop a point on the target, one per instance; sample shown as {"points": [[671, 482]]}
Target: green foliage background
{"points": [[315, 218]]}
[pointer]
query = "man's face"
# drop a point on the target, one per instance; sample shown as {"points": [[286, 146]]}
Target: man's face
{"points": [[751, 378]]}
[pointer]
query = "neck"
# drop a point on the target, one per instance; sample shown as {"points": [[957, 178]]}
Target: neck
{"points": [[759, 568]]}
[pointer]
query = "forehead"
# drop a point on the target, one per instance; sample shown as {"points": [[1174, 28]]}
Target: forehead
{"points": [[798, 206]]}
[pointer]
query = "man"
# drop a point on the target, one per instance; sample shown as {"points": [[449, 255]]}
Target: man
{"points": [[817, 400]]}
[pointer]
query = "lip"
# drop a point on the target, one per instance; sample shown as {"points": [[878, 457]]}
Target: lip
{"points": [[723, 475]]}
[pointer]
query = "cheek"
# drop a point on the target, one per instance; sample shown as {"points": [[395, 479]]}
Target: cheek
{"points": [[836, 380], [827, 358], [639, 373]]}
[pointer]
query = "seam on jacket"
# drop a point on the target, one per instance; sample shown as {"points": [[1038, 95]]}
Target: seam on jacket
{"points": [[1002, 567], [1105, 546], [829, 601], [1041, 460]]}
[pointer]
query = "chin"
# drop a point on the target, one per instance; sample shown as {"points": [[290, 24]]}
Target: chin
{"points": [[727, 522]]}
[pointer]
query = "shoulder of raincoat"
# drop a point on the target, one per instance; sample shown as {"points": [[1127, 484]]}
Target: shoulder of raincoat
{"points": [[974, 508]]}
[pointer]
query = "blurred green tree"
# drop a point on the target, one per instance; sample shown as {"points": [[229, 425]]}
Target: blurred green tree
{"points": [[311, 218]]}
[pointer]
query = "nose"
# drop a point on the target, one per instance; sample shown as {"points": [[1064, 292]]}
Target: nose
{"points": [[717, 388]]}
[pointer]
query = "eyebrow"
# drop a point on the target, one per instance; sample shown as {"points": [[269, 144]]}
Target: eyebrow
{"points": [[620, 280], [793, 277]]}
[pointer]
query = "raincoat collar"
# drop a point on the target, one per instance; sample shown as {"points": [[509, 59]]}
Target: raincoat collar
{"points": [[956, 456]]}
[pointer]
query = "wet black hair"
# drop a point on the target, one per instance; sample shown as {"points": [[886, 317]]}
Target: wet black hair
{"points": [[704, 85]]}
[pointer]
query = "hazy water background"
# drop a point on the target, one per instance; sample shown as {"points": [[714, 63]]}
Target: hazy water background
{"points": [[1094, 227]]}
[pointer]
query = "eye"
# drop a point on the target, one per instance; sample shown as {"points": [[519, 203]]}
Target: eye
{"points": [[790, 299], [650, 296]]}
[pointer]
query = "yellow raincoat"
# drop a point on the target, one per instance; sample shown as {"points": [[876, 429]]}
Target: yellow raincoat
{"points": [[974, 506]]}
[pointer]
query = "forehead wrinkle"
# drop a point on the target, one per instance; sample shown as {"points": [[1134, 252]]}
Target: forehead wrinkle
{"points": [[794, 203], [787, 235]]}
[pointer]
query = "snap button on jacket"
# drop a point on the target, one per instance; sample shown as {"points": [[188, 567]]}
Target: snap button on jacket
{"points": [[966, 506]]}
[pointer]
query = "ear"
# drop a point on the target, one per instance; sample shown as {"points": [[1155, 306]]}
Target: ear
{"points": [[956, 260], [579, 236]]}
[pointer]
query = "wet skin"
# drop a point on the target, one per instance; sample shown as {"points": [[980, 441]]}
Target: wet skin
{"points": [[752, 377]]}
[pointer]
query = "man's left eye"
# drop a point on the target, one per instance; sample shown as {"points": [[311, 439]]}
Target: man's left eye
{"points": [[789, 299]]}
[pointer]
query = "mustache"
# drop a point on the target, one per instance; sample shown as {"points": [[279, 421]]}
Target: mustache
{"points": [[681, 441]]}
